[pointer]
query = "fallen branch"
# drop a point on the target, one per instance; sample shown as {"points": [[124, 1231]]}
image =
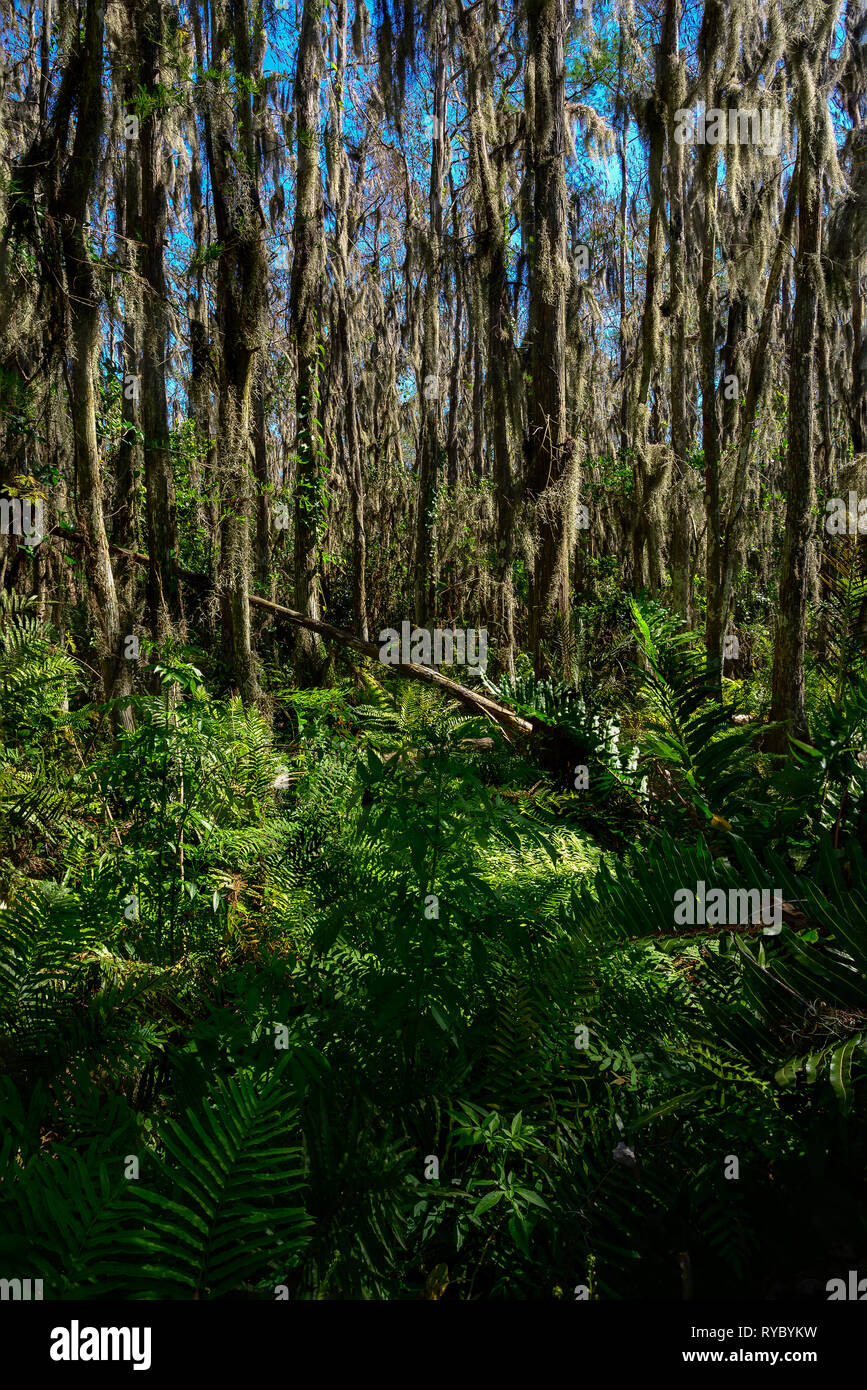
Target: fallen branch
{"points": [[480, 703]]}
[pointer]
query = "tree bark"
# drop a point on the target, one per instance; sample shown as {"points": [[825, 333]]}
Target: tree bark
{"points": [[719, 598], [550, 452], [715, 616], [164, 594], [643, 483], [788, 709], [202, 375], [345, 211], [83, 308], [675, 89], [306, 294], [491, 217], [241, 277], [124, 515], [430, 406]]}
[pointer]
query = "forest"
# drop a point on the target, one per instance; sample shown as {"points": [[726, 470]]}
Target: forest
{"points": [[433, 650]]}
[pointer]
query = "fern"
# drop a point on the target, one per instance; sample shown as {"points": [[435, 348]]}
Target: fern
{"points": [[842, 618], [701, 760]]}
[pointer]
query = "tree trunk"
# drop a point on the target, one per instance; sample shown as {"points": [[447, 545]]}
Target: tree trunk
{"points": [[715, 617], [124, 518], [451, 444], [550, 452], [201, 405], [491, 216], [264, 576], [643, 523], [719, 598], [83, 303], [858, 397], [675, 88], [624, 198], [306, 295], [787, 698], [164, 594], [344, 209], [241, 275], [429, 444]]}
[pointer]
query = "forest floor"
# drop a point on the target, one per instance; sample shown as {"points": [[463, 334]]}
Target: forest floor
{"points": [[405, 998]]}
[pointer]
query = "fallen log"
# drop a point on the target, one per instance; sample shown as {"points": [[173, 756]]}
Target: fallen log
{"points": [[482, 704]]}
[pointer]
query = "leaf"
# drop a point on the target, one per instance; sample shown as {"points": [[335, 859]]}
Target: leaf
{"points": [[441, 1018], [811, 1067], [519, 1232], [786, 1074], [841, 1071], [533, 1198], [437, 1282], [489, 1200]]}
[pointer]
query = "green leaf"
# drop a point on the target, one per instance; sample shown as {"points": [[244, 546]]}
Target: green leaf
{"points": [[489, 1200], [785, 1076], [519, 1232], [841, 1071]]}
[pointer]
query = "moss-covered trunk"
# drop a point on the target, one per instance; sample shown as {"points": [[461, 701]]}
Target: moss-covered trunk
{"points": [[550, 451], [306, 301]]}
